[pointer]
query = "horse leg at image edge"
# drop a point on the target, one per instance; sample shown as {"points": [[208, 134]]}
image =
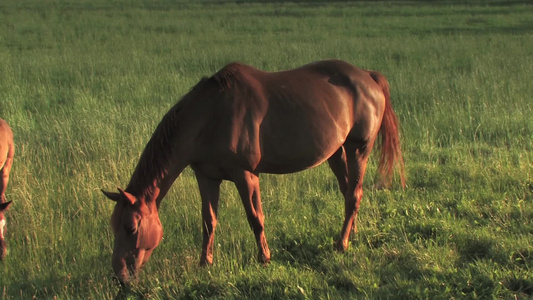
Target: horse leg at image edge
{"points": [[5, 170]]}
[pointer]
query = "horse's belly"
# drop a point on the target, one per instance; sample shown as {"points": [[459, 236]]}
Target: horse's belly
{"points": [[288, 166], [298, 153]]}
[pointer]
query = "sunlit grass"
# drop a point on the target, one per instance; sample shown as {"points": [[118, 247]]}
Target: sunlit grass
{"points": [[84, 85]]}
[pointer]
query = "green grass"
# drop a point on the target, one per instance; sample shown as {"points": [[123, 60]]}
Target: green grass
{"points": [[84, 83]]}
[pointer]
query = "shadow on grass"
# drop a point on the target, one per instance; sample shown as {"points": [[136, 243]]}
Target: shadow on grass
{"points": [[472, 248], [523, 258], [316, 254], [520, 285], [84, 283], [294, 250]]}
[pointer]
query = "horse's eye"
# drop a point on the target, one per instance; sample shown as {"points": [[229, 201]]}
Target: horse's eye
{"points": [[130, 230]]}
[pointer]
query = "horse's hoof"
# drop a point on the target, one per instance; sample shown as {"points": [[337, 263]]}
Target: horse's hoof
{"points": [[205, 262], [340, 246], [264, 260]]}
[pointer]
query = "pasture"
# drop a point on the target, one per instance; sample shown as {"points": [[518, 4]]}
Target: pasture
{"points": [[83, 85]]}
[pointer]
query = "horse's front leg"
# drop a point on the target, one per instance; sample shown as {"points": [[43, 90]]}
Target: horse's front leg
{"points": [[210, 193], [248, 186]]}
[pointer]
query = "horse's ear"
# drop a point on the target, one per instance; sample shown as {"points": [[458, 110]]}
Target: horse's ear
{"points": [[4, 206], [120, 196], [131, 199], [113, 196]]}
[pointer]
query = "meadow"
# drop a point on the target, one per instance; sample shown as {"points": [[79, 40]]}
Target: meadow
{"points": [[84, 84]]}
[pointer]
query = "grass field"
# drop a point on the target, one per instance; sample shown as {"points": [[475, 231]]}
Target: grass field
{"points": [[84, 83]]}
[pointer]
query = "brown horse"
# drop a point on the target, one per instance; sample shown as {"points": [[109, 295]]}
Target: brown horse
{"points": [[242, 122], [7, 151]]}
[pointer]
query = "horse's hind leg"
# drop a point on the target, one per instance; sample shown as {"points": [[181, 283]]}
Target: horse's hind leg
{"points": [[210, 193], [248, 186], [355, 166], [337, 163]]}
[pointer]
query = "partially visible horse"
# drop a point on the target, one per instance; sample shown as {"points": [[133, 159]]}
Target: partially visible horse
{"points": [[241, 122], [7, 151]]}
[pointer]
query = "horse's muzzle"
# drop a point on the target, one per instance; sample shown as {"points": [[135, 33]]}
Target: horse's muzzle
{"points": [[127, 267]]}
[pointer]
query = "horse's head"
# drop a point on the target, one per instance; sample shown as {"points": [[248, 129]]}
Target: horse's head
{"points": [[3, 250], [137, 230]]}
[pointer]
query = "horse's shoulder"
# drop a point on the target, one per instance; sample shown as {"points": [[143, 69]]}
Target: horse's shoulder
{"points": [[235, 67]]}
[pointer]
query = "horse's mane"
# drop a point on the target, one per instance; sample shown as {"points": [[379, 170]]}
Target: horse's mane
{"points": [[228, 76], [158, 155]]}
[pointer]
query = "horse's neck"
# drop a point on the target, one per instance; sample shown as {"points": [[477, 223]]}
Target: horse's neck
{"points": [[159, 166], [166, 182], [153, 188], [164, 157]]}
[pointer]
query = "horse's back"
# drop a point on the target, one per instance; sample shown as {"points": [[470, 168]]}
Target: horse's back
{"points": [[287, 121]]}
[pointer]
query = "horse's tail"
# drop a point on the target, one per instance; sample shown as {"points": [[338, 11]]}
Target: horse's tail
{"points": [[391, 152]]}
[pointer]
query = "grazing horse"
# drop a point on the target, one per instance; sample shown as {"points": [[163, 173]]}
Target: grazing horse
{"points": [[7, 151], [241, 122]]}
